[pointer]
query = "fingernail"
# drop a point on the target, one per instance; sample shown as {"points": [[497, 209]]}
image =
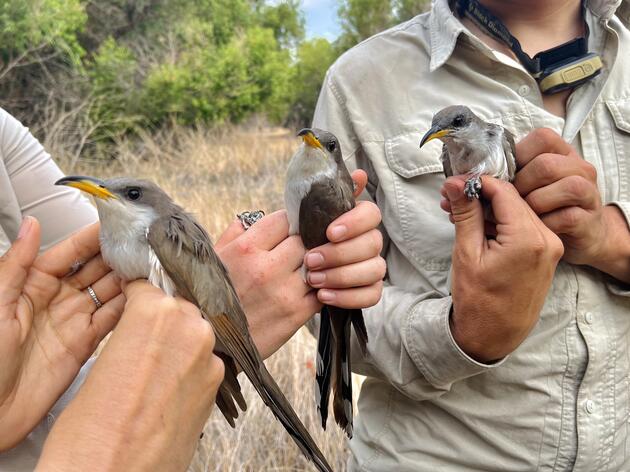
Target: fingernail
{"points": [[25, 227], [326, 296], [338, 232], [316, 278], [314, 260]]}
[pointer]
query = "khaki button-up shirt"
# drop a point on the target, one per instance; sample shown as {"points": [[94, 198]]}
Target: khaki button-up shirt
{"points": [[561, 400]]}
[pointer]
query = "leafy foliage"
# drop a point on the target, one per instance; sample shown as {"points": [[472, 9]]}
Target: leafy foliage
{"points": [[127, 64], [314, 57], [361, 19]]}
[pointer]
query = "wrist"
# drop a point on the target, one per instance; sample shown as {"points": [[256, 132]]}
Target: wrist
{"points": [[76, 447], [613, 257], [471, 343]]}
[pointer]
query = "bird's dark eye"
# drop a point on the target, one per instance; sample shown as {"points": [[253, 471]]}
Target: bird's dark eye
{"points": [[133, 193], [331, 146], [458, 121]]}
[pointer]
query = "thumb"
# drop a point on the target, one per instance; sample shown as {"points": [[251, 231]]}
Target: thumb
{"points": [[16, 262], [467, 215], [360, 179], [138, 287]]}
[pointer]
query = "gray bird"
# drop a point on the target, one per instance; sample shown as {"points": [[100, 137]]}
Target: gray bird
{"points": [[472, 146], [144, 234], [318, 190]]}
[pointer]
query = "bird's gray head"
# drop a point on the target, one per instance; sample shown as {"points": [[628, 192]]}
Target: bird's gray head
{"points": [[451, 123], [321, 143], [125, 202]]}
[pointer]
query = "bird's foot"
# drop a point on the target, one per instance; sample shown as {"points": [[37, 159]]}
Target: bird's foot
{"points": [[76, 267], [472, 189]]}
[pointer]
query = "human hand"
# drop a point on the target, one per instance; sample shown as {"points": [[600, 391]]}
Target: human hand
{"points": [[265, 266], [498, 285], [148, 396], [348, 271], [49, 325], [561, 188]]}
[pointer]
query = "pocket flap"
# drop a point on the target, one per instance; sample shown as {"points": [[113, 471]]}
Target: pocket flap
{"points": [[405, 157], [620, 111]]}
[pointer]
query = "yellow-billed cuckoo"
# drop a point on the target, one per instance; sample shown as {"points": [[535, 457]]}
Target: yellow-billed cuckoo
{"points": [[472, 146], [318, 190], [144, 234]]}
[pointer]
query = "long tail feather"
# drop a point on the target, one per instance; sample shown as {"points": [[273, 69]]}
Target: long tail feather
{"points": [[359, 328], [324, 365], [225, 403], [342, 385], [283, 411], [252, 365]]}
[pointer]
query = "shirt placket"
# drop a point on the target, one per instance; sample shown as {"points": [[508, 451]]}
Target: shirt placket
{"points": [[584, 404]]}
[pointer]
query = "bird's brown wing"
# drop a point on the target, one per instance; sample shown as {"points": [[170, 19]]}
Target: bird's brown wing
{"points": [[184, 249], [446, 162], [509, 149], [327, 199]]}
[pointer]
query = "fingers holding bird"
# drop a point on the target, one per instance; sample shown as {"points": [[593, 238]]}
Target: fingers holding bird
{"points": [[364, 217], [358, 297], [561, 188], [364, 247], [348, 271], [93, 270], [360, 179], [80, 247]]}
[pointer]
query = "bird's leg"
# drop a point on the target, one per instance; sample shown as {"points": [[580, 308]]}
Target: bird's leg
{"points": [[472, 189]]}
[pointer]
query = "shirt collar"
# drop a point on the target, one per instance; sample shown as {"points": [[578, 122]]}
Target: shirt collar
{"points": [[445, 28]]}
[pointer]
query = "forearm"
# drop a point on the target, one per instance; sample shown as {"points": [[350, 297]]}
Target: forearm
{"points": [[411, 347], [615, 259], [32, 174]]}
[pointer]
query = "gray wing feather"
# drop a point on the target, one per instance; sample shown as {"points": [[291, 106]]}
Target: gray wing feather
{"points": [[185, 251]]}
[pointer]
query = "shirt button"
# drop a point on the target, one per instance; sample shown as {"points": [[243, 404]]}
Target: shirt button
{"points": [[589, 406], [588, 317], [524, 90]]}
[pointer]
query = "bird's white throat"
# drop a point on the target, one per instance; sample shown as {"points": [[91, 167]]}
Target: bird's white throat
{"points": [[307, 165], [473, 150], [124, 244]]}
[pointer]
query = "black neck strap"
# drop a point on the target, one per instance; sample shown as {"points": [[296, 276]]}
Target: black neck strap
{"points": [[488, 22]]}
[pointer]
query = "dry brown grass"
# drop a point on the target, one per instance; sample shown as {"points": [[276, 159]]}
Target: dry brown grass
{"points": [[216, 174]]}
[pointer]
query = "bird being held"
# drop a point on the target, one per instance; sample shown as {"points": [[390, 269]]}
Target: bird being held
{"points": [[144, 234], [319, 189], [472, 146]]}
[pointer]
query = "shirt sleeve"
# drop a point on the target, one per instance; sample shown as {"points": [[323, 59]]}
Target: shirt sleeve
{"points": [[410, 342], [32, 173], [618, 287]]}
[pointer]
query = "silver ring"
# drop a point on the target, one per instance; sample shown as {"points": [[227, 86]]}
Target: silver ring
{"points": [[248, 218], [92, 293]]}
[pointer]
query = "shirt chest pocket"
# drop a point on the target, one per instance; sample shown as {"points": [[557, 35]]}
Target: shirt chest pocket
{"points": [[424, 233], [617, 156]]}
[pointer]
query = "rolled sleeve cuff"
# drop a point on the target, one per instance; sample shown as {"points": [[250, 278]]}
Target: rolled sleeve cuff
{"points": [[433, 349], [625, 209], [615, 286]]}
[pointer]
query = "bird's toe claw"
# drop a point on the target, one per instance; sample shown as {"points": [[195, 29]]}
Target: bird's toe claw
{"points": [[472, 189]]}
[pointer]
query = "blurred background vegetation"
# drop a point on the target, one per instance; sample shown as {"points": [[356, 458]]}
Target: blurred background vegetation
{"points": [[93, 71]]}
